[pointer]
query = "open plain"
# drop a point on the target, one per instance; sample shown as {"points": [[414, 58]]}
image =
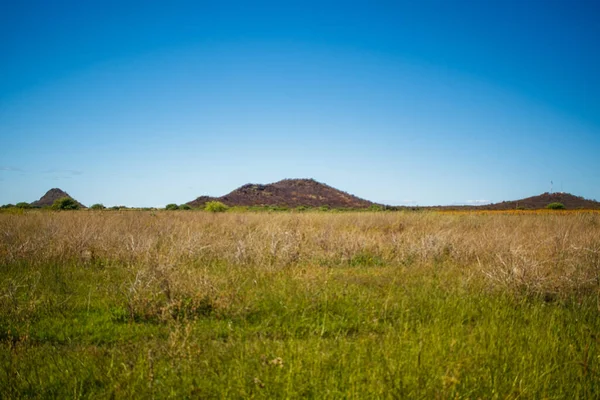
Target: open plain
{"points": [[192, 304]]}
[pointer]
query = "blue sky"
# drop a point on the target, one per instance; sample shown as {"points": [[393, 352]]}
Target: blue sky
{"points": [[417, 102]]}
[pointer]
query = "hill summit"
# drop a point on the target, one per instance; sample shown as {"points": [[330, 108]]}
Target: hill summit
{"points": [[51, 196], [288, 193]]}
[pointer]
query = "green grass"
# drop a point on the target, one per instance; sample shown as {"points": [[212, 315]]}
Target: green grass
{"points": [[361, 328]]}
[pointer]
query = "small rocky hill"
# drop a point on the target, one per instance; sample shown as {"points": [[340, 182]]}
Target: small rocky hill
{"points": [[51, 196], [289, 193], [571, 202]]}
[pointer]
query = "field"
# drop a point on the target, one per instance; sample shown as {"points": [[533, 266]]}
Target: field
{"points": [[190, 304]]}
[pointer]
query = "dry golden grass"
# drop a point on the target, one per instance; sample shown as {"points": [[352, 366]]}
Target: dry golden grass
{"points": [[546, 253]]}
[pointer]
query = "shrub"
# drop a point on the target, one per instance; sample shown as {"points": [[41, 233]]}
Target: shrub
{"points": [[23, 205], [556, 206], [65, 203], [376, 207], [97, 206], [185, 207], [172, 207], [215, 206], [276, 208]]}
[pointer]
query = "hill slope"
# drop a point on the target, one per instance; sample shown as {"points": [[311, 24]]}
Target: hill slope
{"points": [[51, 196], [289, 193], [570, 202]]}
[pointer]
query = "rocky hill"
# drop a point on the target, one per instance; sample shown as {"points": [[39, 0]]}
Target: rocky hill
{"points": [[288, 193], [51, 196], [571, 202]]}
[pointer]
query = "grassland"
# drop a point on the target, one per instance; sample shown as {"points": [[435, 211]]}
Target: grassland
{"points": [[293, 305]]}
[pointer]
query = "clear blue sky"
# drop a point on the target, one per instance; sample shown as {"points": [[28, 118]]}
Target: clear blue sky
{"points": [[402, 102]]}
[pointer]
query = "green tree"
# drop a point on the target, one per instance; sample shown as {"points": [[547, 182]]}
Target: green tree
{"points": [[215, 206], [556, 206], [65, 203], [185, 207], [23, 205], [171, 207], [97, 206]]}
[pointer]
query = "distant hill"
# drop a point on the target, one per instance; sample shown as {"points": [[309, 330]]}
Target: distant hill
{"points": [[51, 196], [571, 202], [288, 193]]}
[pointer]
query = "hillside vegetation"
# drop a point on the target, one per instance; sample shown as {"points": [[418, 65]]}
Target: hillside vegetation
{"points": [[52, 196], [319, 305], [569, 201], [307, 194], [287, 193]]}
